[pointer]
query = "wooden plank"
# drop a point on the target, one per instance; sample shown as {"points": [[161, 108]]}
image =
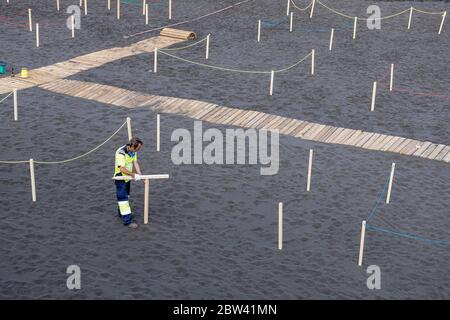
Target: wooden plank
{"points": [[293, 127], [313, 131], [410, 148], [429, 150], [255, 119], [397, 142], [261, 120], [267, 120], [342, 138], [354, 137], [364, 138], [442, 154], [402, 145], [436, 151], [334, 135], [447, 158]]}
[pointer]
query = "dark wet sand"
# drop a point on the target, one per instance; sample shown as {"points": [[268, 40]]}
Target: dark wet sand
{"points": [[213, 229]]}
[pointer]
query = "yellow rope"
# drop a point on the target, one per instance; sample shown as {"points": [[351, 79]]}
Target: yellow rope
{"points": [[235, 70], [68, 160], [382, 18], [301, 9], [428, 12], [6, 97], [185, 47]]}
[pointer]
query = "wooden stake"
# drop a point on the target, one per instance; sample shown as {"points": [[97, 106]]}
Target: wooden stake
{"points": [[313, 53], [288, 8], [146, 13], [374, 95], [37, 35], [391, 179], [280, 225], [308, 183], [170, 9], [57, 5], [130, 135], [109, 5], [146, 195], [391, 83], [15, 105], [207, 46], [158, 133], [33, 181], [331, 39], [410, 17], [118, 9], [144, 6], [354, 27], [30, 20], [81, 3], [155, 61], [85, 7], [312, 9], [259, 30], [361, 243], [272, 74], [442, 22], [73, 26], [290, 23]]}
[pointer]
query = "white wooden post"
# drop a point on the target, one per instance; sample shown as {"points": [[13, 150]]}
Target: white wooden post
{"points": [[73, 26], [288, 8], [280, 225], [259, 30], [170, 9], [118, 9], [442, 22], [374, 95], [146, 13], [312, 9], [313, 53], [130, 135], [57, 5], [331, 39], [354, 27], [155, 61], [85, 7], [410, 17], [158, 133], [15, 105], [207, 46], [30, 20], [272, 75], [308, 183], [33, 181], [391, 179], [144, 5], [361, 243], [37, 35], [109, 5], [391, 82], [291, 22]]}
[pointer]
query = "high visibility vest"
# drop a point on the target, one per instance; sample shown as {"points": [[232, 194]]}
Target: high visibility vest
{"points": [[124, 158]]}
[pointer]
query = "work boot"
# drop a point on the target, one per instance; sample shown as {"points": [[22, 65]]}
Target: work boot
{"points": [[132, 225]]}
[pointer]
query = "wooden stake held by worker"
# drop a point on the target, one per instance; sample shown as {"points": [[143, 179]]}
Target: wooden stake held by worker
{"points": [[146, 200]]}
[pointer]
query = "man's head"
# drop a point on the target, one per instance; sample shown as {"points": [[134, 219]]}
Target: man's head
{"points": [[135, 144]]}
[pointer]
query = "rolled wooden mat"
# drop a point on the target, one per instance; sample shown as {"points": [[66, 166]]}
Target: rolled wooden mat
{"points": [[178, 34]]}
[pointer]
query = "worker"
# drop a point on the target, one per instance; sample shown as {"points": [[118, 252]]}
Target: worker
{"points": [[126, 160]]}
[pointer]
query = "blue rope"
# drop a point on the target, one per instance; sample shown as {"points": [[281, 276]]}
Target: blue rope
{"points": [[410, 236], [377, 203]]}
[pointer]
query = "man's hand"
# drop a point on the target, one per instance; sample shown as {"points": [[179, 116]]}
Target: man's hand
{"points": [[137, 177]]}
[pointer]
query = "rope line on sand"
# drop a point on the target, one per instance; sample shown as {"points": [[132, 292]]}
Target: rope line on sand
{"points": [[381, 18], [301, 9], [409, 235], [236, 70], [6, 96], [67, 160], [377, 202], [187, 21], [185, 47]]}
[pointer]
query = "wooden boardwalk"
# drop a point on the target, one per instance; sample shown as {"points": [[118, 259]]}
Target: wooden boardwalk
{"points": [[88, 61], [251, 119]]}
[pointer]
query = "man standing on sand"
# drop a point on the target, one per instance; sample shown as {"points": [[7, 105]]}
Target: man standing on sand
{"points": [[126, 159]]}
